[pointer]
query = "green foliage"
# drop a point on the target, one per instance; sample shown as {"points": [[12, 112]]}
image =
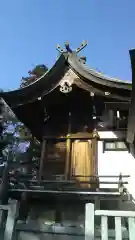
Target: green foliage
{"points": [[15, 133], [39, 70], [20, 145], [36, 73]]}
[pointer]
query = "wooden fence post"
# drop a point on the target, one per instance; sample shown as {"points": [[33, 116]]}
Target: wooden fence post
{"points": [[11, 218], [89, 221]]}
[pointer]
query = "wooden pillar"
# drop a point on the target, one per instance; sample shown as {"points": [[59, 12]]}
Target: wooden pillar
{"points": [[111, 117], [131, 115], [30, 155], [97, 203], [95, 157], [68, 158], [95, 152], [4, 185], [4, 192], [89, 221], [11, 219], [68, 150], [24, 207], [58, 210], [42, 160]]}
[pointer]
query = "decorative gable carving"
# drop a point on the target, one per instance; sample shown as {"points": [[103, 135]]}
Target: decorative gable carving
{"points": [[67, 81]]}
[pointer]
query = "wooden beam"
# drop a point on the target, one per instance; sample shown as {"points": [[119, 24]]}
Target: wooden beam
{"points": [[116, 213], [68, 150], [76, 136], [118, 105], [131, 117], [63, 192], [42, 159]]}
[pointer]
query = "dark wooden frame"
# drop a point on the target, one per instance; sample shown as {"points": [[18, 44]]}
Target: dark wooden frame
{"points": [[115, 149], [69, 139]]}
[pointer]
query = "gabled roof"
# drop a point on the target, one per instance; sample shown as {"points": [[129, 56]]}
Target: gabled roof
{"points": [[41, 87], [24, 101], [50, 80], [92, 75]]}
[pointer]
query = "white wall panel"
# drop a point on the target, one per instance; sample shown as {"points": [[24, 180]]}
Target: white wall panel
{"points": [[115, 162]]}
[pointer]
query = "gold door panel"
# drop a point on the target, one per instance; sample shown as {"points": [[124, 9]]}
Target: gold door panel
{"points": [[83, 160]]}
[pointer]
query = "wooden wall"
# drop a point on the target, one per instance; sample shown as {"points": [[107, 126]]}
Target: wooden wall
{"points": [[74, 158], [72, 115], [55, 156]]}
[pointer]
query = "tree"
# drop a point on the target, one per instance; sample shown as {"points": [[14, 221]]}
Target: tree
{"points": [[17, 143], [36, 73]]}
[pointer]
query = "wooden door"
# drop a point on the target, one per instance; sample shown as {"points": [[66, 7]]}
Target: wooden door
{"points": [[83, 160]]}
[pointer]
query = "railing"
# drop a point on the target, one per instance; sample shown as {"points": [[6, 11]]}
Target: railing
{"points": [[91, 213], [54, 182], [7, 228], [13, 182], [90, 233]]}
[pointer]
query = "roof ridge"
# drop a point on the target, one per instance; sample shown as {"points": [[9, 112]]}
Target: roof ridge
{"points": [[105, 76]]}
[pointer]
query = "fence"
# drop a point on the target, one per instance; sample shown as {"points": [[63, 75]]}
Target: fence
{"points": [[90, 214], [89, 234], [7, 231]]}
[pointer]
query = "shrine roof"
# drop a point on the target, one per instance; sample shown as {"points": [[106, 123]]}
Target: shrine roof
{"points": [[95, 76], [24, 102], [50, 80], [41, 87]]}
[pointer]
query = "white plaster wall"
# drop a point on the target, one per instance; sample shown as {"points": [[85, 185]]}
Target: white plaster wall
{"points": [[110, 134], [114, 163]]}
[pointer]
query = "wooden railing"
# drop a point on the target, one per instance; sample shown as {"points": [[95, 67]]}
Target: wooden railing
{"points": [[60, 181], [90, 232], [7, 228], [12, 182], [90, 215]]}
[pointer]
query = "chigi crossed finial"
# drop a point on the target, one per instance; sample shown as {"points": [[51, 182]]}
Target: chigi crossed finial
{"points": [[68, 48]]}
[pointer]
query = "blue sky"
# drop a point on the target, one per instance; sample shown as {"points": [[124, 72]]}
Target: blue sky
{"points": [[30, 30]]}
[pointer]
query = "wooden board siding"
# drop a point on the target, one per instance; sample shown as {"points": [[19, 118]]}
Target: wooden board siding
{"points": [[83, 160], [55, 156], [76, 161]]}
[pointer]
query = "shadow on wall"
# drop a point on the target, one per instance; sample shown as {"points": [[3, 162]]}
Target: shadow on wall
{"points": [[70, 227], [116, 162]]}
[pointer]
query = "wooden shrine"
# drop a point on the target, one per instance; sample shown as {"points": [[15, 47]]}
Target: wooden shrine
{"points": [[64, 109]]}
